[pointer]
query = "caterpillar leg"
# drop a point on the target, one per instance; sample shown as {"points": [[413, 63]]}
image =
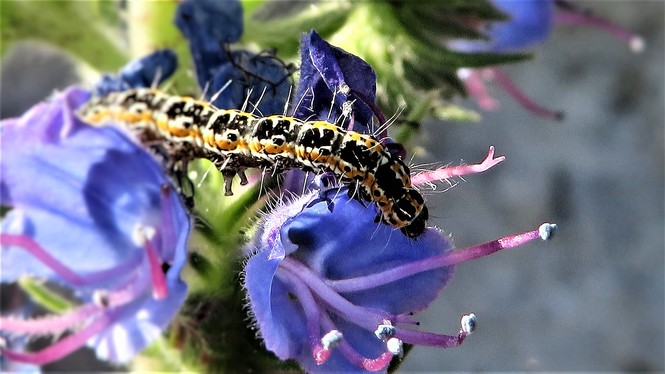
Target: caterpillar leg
{"points": [[229, 175], [228, 181], [357, 192], [378, 218], [185, 186], [175, 159], [243, 177], [326, 180]]}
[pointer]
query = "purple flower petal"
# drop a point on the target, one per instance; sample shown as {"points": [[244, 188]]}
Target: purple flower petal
{"points": [[326, 240], [329, 77], [331, 288]]}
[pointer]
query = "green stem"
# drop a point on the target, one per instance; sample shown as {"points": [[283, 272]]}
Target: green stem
{"points": [[42, 295]]}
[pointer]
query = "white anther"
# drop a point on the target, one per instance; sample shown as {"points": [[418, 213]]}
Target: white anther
{"points": [[101, 298], [546, 230], [143, 233], [385, 331], [395, 347], [468, 323], [463, 73], [344, 88], [347, 108], [637, 44], [331, 339]]}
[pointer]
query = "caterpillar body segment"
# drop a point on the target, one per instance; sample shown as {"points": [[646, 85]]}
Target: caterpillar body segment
{"points": [[235, 140]]}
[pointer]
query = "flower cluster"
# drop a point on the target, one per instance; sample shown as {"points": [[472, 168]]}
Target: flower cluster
{"points": [[90, 209]]}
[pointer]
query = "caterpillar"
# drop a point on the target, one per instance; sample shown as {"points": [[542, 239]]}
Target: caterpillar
{"points": [[235, 140]]}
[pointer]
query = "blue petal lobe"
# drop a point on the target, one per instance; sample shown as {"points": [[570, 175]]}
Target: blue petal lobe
{"points": [[147, 71], [347, 243], [264, 75], [324, 69], [280, 320]]}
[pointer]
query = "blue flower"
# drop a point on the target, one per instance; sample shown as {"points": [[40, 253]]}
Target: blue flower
{"points": [[91, 210], [259, 81], [226, 76], [333, 289], [530, 23], [147, 71]]}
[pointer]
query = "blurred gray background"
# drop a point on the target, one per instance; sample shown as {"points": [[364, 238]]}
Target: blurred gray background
{"points": [[593, 298]]}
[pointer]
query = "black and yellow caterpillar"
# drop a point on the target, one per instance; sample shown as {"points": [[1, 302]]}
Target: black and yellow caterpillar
{"points": [[235, 140]]}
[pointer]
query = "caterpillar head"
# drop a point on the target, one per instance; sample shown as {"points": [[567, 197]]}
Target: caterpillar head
{"points": [[407, 212], [417, 226]]}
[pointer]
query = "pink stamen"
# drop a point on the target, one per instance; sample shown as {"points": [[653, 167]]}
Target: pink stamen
{"points": [[457, 171], [474, 83], [352, 122], [52, 324], [27, 243], [127, 292], [363, 317], [376, 364], [159, 287], [435, 262], [63, 347], [572, 17], [36, 250], [527, 103], [320, 354], [430, 339]]}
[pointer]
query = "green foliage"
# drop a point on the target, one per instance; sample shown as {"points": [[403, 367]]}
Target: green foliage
{"points": [[150, 27], [87, 29], [404, 41]]}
